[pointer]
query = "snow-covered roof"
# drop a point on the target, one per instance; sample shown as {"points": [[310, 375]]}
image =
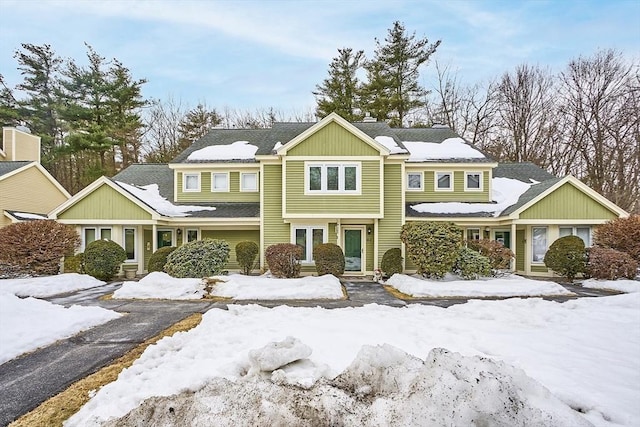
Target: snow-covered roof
{"points": [[391, 144], [27, 215], [238, 150], [150, 195], [450, 148]]}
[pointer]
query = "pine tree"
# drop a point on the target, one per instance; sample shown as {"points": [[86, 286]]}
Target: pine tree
{"points": [[197, 123], [392, 90], [339, 92], [9, 113]]}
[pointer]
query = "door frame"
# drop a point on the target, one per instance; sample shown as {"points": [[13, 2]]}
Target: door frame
{"points": [[363, 247]]}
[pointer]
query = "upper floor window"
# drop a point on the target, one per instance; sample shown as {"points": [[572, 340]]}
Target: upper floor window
{"points": [[219, 182], [191, 182], [473, 181], [582, 232], [333, 178], [444, 181], [249, 181], [414, 181]]}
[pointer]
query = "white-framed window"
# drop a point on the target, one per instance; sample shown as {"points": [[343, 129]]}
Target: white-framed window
{"points": [[473, 181], [308, 237], [583, 232], [539, 244], [414, 181], [444, 181], [473, 234], [129, 239], [219, 181], [192, 234], [90, 234], [190, 182], [248, 181], [341, 178]]}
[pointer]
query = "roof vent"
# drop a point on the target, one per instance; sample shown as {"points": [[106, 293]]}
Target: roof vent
{"points": [[368, 119]]}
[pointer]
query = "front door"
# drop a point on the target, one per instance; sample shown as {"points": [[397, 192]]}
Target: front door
{"points": [[504, 237], [353, 250]]}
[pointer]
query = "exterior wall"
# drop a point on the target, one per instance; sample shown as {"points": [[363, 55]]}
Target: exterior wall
{"points": [[333, 140], [18, 145], [206, 195], [568, 202], [429, 194], [274, 228], [389, 227], [520, 250], [148, 247], [29, 191], [105, 203], [233, 237]]}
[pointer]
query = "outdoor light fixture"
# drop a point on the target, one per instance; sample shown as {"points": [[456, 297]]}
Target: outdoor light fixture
{"points": [[179, 231], [368, 230]]}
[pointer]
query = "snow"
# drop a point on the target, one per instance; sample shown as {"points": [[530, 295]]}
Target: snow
{"points": [[48, 285], [240, 287], [26, 215], [505, 192], [151, 196], [239, 150], [627, 286], [277, 146], [277, 354], [584, 352], [161, 286], [390, 144], [450, 148], [509, 286]]}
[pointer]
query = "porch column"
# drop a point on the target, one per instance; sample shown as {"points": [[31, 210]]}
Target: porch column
{"points": [[512, 245], [154, 237]]}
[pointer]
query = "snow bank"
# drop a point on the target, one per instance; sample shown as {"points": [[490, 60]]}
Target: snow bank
{"points": [[509, 286], [49, 285], [627, 286], [161, 286], [150, 194], [27, 324], [240, 287], [239, 150], [450, 148]]}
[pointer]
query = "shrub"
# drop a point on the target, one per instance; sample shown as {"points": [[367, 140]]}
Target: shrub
{"points": [[158, 259], [432, 246], [392, 262], [610, 264], [622, 234], [200, 258], [329, 259], [35, 247], [102, 259], [499, 255], [246, 254], [471, 264], [74, 263], [566, 256], [284, 259]]}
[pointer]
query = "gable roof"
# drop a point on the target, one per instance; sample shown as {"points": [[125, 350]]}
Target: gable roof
{"points": [[141, 174], [525, 172], [8, 167]]}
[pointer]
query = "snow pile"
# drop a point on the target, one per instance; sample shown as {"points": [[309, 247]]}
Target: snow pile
{"points": [[240, 287], [627, 286], [239, 150], [31, 323], [390, 144], [505, 192], [450, 148], [382, 386], [161, 286], [46, 286], [277, 354], [151, 196], [508, 286]]}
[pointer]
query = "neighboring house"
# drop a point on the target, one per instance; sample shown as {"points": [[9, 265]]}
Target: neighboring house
{"points": [[353, 184], [27, 190]]}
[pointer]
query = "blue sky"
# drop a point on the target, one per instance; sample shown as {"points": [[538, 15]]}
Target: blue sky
{"points": [[256, 54]]}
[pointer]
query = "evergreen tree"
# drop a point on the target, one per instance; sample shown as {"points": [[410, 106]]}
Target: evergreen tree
{"points": [[9, 113], [197, 123], [393, 90], [339, 92]]}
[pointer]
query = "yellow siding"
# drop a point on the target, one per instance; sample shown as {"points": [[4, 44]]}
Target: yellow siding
{"points": [[29, 191], [206, 195], [333, 140], [389, 226], [568, 202], [105, 203], [428, 193], [233, 237], [367, 203]]}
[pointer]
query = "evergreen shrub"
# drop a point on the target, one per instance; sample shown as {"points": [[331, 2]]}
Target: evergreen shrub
{"points": [[610, 264], [432, 246], [284, 259], [246, 254], [74, 263], [102, 259], [200, 258], [391, 262], [471, 264], [329, 259], [621, 234], [566, 256], [499, 255], [158, 259]]}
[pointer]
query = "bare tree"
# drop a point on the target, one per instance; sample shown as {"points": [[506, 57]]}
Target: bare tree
{"points": [[162, 137]]}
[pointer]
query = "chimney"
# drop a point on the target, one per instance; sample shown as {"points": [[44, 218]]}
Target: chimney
{"points": [[368, 118]]}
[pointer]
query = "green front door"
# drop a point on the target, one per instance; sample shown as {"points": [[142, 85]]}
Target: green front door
{"points": [[353, 250]]}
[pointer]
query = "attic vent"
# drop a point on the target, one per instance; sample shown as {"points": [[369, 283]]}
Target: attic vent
{"points": [[368, 118]]}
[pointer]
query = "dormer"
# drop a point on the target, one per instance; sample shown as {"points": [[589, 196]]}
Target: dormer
{"points": [[18, 145]]}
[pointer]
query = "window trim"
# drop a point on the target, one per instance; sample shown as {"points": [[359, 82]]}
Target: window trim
{"points": [[308, 257], [467, 230], [546, 232], [213, 181], [135, 243], [435, 180], [184, 182], [186, 234], [242, 188], [574, 232], [480, 181], [98, 234], [421, 174], [341, 178]]}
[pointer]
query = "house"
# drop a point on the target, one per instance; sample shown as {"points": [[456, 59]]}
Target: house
{"points": [[27, 190], [353, 184]]}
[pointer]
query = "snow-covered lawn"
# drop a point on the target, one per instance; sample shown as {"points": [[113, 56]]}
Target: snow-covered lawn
{"points": [[508, 286], [46, 286], [161, 286], [584, 351], [627, 286]]}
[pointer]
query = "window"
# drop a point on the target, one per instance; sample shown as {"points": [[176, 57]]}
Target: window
{"points": [[473, 234], [192, 235], [473, 181], [219, 182], [538, 244], [165, 238], [308, 238], [414, 181], [129, 240], [249, 181], [333, 178], [90, 234], [191, 182], [583, 232], [444, 181]]}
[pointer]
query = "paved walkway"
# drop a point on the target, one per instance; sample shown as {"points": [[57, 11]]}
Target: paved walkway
{"points": [[29, 380]]}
